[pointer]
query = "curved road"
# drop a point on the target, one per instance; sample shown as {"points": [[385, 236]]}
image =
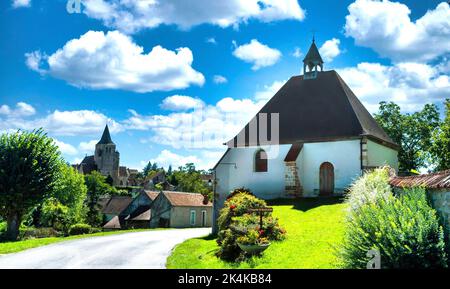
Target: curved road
{"points": [[129, 250]]}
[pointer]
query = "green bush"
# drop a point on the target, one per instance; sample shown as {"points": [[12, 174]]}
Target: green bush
{"points": [[80, 229], [370, 187], [404, 229], [234, 221]]}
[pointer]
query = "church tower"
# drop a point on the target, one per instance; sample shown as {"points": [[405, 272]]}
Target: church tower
{"points": [[106, 157], [312, 61]]}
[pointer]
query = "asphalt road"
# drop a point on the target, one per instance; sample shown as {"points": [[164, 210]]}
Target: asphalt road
{"points": [[130, 250]]}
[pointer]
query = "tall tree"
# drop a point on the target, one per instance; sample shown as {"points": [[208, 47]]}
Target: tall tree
{"points": [[169, 170], [441, 142], [147, 169], [29, 166], [96, 188], [411, 131]]}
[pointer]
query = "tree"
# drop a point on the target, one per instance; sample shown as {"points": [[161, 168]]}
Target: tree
{"points": [[29, 166], [188, 179], [154, 167], [169, 170], [70, 191], [96, 187], [55, 215], [440, 149], [411, 131], [147, 169]]}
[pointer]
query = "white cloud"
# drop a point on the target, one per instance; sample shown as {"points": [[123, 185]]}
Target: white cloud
{"points": [[133, 15], [21, 3], [269, 90], [297, 52], [181, 102], [219, 79], [330, 49], [387, 28], [22, 109], [260, 55], [204, 160], [205, 128], [113, 61], [411, 85], [87, 147], [62, 123], [65, 148], [211, 40]]}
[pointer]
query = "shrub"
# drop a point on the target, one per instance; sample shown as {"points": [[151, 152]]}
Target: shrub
{"points": [[36, 233], [234, 221], [404, 229], [370, 187], [80, 229]]}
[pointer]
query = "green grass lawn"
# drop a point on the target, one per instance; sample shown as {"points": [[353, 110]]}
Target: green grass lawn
{"points": [[12, 247], [314, 228]]}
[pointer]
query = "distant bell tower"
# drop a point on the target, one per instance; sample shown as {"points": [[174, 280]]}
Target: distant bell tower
{"points": [[106, 157], [312, 61]]}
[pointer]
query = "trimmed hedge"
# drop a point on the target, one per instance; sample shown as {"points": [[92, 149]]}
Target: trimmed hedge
{"points": [[81, 229]]}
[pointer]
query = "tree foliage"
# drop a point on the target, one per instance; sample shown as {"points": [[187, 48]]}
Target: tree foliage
{"points": [[412, 132], [96, 188], [188, 179], [29, 167], [440, 149]]}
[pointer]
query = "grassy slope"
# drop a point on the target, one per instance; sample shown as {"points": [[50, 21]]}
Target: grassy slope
{"points": [[314, 227], [12, 247]]}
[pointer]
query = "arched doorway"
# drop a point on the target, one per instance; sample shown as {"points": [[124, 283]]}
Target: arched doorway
{"points": [[326, 179]]}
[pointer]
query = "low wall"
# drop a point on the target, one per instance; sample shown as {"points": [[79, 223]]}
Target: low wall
{"points": [[441, 203]]}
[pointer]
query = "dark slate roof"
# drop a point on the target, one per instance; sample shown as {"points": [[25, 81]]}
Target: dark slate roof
{"points": [[313, 54], [318, 109], [117, 204], [88, 165], [438, 180], [106, 137]]}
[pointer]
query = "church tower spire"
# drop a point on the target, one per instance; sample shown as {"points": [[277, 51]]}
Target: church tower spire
{"points": [[312, 61]]}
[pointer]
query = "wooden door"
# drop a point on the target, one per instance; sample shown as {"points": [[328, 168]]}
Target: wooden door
{"points": [[326, 179]]}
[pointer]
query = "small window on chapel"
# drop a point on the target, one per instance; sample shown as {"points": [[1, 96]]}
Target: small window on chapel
{"points": [[260, 161]]}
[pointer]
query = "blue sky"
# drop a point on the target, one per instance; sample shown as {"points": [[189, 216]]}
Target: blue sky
{"points": [[151, 70]]}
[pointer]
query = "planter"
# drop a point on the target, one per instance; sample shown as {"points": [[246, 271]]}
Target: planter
{"points": [[253, 249]]}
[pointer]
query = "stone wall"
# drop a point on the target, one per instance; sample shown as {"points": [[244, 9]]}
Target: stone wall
{"points": [[441, 203], [293, 186]]}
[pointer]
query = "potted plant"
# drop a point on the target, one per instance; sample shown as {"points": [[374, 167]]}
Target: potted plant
{"points": [[253, 242]]}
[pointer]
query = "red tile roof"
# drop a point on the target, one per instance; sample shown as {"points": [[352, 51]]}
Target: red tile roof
{"points": [[181, 199], [439, 180], [151, 194]]}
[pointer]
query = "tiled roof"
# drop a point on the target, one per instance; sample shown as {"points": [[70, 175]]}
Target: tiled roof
{"points": [[145, 216], [117, 204], [180, 199], [88, 165], [439, 180], [151, 194], [114, 223]]}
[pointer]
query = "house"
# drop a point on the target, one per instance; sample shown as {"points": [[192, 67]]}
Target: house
{"points": [[106, 160], [154, 178], [438, 189], [114, 207], [312, 138], [180, 210], [137, 214]]}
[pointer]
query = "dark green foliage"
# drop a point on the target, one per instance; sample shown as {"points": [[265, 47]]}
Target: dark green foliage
{"points": [[109, 180], [29, 166], [411, 131], [404, 229], [36, 233], [96, 188], [234, 221]]}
